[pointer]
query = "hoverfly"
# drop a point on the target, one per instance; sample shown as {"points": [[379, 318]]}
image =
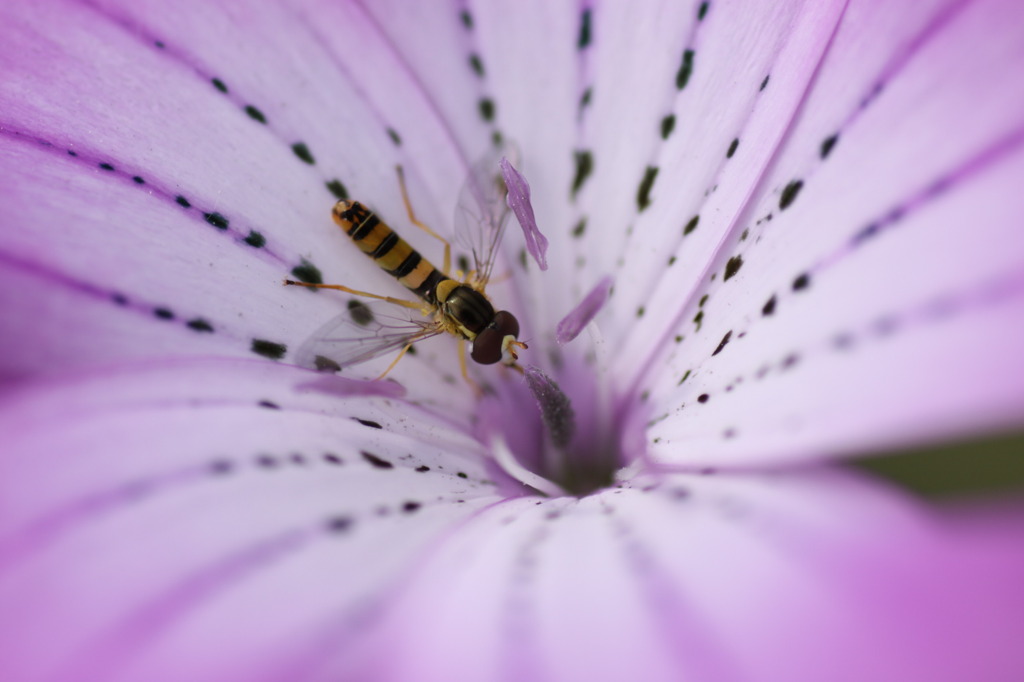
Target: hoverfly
{"points": [[458, 306]]}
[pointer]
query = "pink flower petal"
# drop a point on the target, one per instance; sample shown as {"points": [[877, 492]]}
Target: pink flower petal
{"points": [[230, 519], [869, 295], [182, 501], [162, 179], [787, 578]]}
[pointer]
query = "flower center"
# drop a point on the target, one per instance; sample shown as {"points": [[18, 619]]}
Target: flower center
{"points": [[556, 436]]}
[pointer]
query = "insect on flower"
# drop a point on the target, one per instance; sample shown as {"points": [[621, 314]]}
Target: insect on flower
{"points": [[458, 306]]}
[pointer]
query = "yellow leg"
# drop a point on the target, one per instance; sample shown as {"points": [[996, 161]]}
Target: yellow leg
{"points": [[339, 287], [415, 221], [465, 371], [394, 362]]}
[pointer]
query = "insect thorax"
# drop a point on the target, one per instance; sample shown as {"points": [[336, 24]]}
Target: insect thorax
{"points": [[470, 310]]}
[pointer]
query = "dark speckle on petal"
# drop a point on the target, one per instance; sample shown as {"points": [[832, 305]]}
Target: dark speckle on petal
{"points": [[375, 461], [764, 83], [269, 349], [255, 239], [724, 341], [360, 313], [769, 307], [302, 151], [339, 524], [732, 148], [585, 98], [200, 325], [866, 234], [732, 267], [266, 462], [643, 194], [307, 272], [219, 84], [667, 125], [685, 69], [828, 144], [221, 467], [584, 40], [584, 167], [217, 220], [801, 282], [182, 201], [486, 108], [337, 189], [789, 194], [255, 114], [322, 363], [691, 225]]}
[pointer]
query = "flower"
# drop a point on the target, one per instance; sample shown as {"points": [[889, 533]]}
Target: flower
{"points": [[781, 235]]}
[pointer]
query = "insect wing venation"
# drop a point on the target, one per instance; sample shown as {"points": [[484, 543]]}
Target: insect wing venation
{"points": [[368, 329], [482, 212]]}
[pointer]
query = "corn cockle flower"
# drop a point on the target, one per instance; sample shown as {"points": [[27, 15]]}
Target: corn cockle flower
{"points": [[781, 235]]}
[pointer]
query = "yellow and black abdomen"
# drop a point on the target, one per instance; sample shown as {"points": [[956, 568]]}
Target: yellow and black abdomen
{"points": [[388, 250]]}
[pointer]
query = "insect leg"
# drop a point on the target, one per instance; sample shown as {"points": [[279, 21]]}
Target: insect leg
{"points": [[465, 371], [394, 362], [339, 287], [423, 226]]}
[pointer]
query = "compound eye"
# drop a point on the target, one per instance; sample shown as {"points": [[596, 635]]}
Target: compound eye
{"points": [[506, 323], [489, 345]]}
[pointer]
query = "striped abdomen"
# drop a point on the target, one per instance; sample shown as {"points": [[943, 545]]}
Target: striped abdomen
{"points": [[388, 250]]}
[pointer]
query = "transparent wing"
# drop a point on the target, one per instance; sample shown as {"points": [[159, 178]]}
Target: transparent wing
{"points": [[366, 330], [482, 212]]}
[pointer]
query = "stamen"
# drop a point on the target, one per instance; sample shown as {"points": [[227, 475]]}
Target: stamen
{"points": [[555, 409], [573, 323], [519, 201]]}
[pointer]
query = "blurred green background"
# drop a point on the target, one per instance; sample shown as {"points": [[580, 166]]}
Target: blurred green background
{"points": [[986, 468]]}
